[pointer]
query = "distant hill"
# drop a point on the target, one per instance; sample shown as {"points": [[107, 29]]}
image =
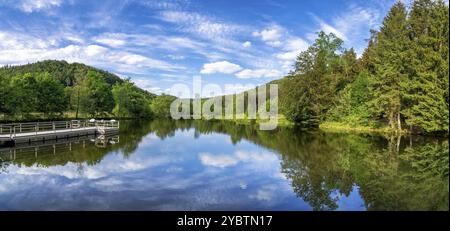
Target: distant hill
{"points": [[63, 71]]}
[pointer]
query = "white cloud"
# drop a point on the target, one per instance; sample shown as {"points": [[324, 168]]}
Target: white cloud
{"points": [[18, 49], [110, 41], [271, 35], [296, 44], [292, 49], [220, 161], [288, 48], [171, 44], [247, 44], [266, 193], [148, 84], [11, 40], [259, 73], [201, 25], [176, 57], [94, 50], [356, 18], [74, 39], [223, 161], [217, 37], [327, 28], [133, 59], [231, 89], [352, 26], [224, 67], [164, 5], [30, 6], [290, 55], [107, 167]]}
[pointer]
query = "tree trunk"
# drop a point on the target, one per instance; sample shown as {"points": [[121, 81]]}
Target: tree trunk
{"points": [[78, 103], [399, 121], [391, 121]]}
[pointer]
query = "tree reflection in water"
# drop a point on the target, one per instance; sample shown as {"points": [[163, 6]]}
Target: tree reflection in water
{"points": [[391, 173]]}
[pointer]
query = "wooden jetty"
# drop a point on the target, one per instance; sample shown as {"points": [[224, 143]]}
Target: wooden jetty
{"points": [[35, 131], [24, 150]]}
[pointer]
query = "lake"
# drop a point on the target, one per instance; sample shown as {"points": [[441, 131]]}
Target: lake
{"points": [[201, 165]]}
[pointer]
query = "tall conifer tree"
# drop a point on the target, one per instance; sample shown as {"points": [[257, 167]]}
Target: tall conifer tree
{"points": [[428, 66], [389, 66]]}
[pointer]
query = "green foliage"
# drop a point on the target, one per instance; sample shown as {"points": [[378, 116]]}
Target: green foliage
{"points": [[401, 79], [96, 96], [350, 68], [352, 107], [50, 95], [22, 97], [24, 94], [428, 104], [307, 95], [160, 106], [4, 94], [62, 71], [129, 102], [54, 87], [389, 69]]}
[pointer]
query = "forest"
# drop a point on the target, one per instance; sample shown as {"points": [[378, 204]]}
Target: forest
{"points": [[400, 82], [56, 89]]}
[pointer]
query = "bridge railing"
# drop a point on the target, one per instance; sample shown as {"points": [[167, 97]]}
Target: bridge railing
{"points": [[13, 129]]}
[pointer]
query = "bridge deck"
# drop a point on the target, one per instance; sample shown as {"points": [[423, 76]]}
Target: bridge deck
{"points": [[53, 130]]}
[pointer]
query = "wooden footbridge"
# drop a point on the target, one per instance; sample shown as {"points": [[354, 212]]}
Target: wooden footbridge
{"points": [[29, 132]]}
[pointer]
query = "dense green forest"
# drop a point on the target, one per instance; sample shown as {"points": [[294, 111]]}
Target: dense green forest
{"points": [[399, 84], [401, 80], [56, 89]]}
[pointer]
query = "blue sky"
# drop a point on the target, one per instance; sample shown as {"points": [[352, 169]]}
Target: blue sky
{"points": [[161, 43]]}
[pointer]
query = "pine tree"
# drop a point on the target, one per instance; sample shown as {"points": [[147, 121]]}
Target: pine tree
{"points": [[428, 107], [350, 68], [389, 66], [367, 60]]}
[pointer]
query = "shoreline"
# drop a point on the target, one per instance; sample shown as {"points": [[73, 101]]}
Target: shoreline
{"points": [[282, 122]]}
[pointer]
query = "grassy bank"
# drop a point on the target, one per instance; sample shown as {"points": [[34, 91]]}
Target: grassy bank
{"points": [[342, 127]]}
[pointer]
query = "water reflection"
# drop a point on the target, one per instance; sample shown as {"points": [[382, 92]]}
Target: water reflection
{"points": [[195, 165], [58, 152]]}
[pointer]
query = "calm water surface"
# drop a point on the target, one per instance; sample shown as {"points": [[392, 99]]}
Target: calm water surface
{"points": [[195, 165]]}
